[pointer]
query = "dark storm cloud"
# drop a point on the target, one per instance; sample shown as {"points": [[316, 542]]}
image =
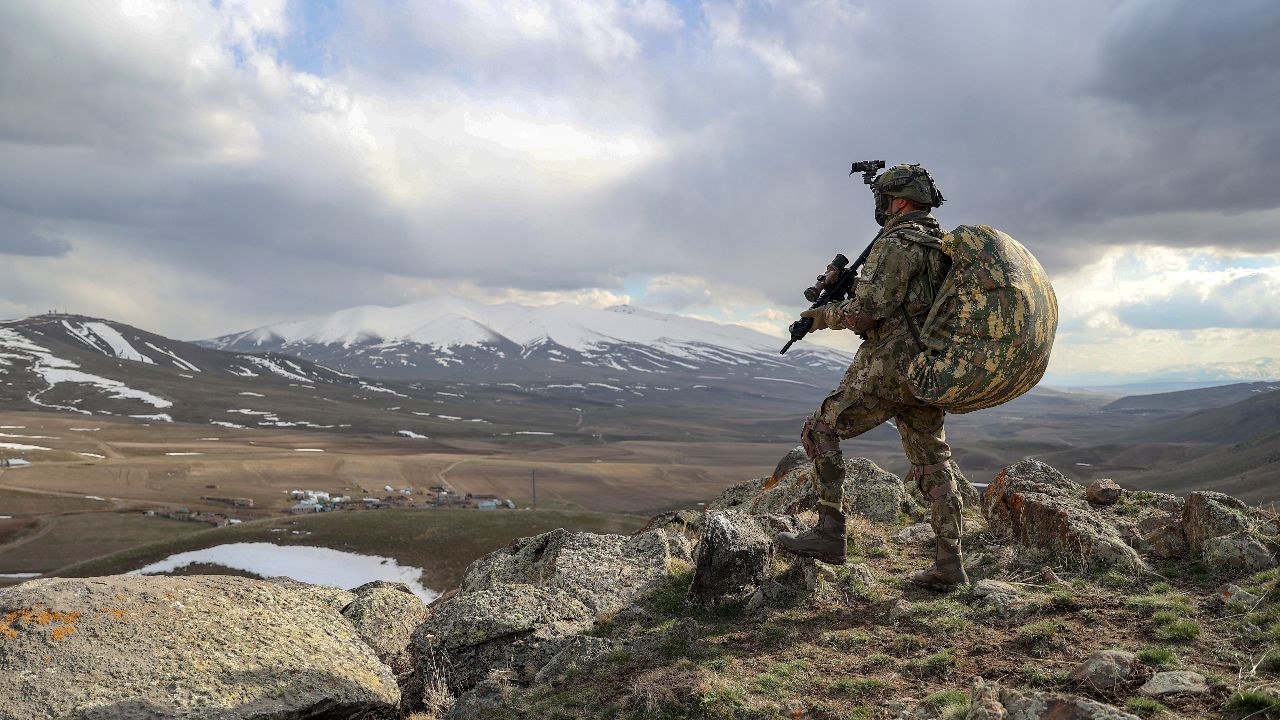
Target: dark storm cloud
{"points": [[1074, 126]]}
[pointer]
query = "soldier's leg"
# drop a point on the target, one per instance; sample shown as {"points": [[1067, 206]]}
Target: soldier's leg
{"points": [[924, 441], [844, 414]]}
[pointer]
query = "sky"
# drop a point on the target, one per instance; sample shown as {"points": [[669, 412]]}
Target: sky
{"points": [[199, 167]]}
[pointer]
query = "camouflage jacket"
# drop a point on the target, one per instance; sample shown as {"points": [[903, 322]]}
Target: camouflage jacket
{"points": [[905, 268]]}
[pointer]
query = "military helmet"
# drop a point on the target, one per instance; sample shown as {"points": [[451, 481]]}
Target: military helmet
{"points": [[906, 181]]}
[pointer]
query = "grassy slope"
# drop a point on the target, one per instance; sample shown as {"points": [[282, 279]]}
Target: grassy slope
{"points": [[441, 542], [835, 653]]}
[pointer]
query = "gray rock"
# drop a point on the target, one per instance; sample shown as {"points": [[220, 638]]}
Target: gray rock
{"points": [[1237, 553], [576, 655], [197, 646], [517, 627], [1174, 682], [1213, 514], [683, 526], [992, 701], [1229, 593], [1162, 535], [334, 597], [385, 615], [488, 700], [868, 491], [1005, 598], [603, 572], [900, 609], [1104, 669], [1041, 508], [918, 534], [1103, 491], [735, 555]]}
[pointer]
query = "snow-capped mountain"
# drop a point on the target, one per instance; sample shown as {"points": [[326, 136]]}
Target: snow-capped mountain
{"points": [[446, 338]]}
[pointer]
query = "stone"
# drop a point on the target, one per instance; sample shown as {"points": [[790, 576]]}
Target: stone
{"points": [[1162, 535], [992, 701], [195, 646], [386, 614], [1235, 554], [334, 597], [1041, 508], [1230, 593], [576, 655], [918, 534], [1103, 491], [735, 555], [1005, 598], [900, 609], [488, 699], [869, 491], [512, 626], [1051, 578], [683, 526], [1174, 682], [1104, 669], [1213, 514], [603, 572]]}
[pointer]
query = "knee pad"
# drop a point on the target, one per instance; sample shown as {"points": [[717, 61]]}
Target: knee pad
{"points": [[818, 437]]}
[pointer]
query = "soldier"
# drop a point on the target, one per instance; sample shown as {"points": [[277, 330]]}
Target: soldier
{"points": [[895, 290]]}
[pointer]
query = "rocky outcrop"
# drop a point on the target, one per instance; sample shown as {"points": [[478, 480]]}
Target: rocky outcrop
{"points": [[1040, 507], [1225, 533], [992, 701], [603, 572], [198, 646], [735, 555], [512, 626], [1174, 682], [386, 614], [519, 607], [868, 491]]}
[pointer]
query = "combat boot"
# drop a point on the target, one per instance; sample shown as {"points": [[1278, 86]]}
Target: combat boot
{"points": [[825, 542], [948, 568]]}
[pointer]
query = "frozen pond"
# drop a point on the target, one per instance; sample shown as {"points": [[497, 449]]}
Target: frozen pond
{"points": [[315, 565]]}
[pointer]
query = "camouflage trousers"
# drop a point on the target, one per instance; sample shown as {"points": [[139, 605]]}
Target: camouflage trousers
{"points": [[851, 411]]}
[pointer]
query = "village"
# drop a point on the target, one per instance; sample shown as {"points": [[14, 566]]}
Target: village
{"points": [[314, 501]]}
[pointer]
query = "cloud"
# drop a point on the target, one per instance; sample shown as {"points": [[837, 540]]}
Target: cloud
{"points": [[273, 160]]}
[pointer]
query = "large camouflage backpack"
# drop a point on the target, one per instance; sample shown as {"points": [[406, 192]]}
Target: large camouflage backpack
{"points": [[990, 329]]}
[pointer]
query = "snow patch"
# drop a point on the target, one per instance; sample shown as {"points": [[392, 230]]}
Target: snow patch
{"points": [[412, 434]]}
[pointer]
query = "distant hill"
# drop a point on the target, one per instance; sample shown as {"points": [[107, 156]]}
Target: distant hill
{"points": [[1189, 400], [1249, 470], [1228, 424]]}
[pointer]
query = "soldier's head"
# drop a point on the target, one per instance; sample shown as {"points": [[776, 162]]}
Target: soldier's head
{"points": [[904, 188]]}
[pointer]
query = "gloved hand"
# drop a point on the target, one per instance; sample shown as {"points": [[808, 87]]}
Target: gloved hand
{"points": [[819, 315]]}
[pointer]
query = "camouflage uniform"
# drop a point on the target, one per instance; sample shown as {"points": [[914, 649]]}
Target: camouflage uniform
{"points": [[899, 279]]}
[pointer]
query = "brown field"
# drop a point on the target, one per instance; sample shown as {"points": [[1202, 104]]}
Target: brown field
{"points": [[137, 471]]}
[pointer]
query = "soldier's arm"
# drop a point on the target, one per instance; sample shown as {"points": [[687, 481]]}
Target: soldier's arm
{"points": [[882, 287]]}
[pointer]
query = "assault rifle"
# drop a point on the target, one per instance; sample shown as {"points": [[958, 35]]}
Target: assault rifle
{"points": [[840, 279]]}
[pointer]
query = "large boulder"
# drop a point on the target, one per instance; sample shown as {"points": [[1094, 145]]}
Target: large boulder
{"points": [[603, 572], [1041, 508], [386, 614], [993, 701], [868, 491], [512, 626], [735, 555], [1236, 554], [519, 606], [199, 646]]}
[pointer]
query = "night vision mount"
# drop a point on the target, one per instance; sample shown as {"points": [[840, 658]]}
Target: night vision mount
{"points": [[869, 169]]}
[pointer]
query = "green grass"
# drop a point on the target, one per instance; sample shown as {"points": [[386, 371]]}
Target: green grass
{"points": [[1270, 662], [1151, 604], [936, 664], [1040, 636], [1145, 707], [845, 639], [946, 698], [1168, 626], [1253, 703], [1158, 657], [879, 660], [859, 687]]}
